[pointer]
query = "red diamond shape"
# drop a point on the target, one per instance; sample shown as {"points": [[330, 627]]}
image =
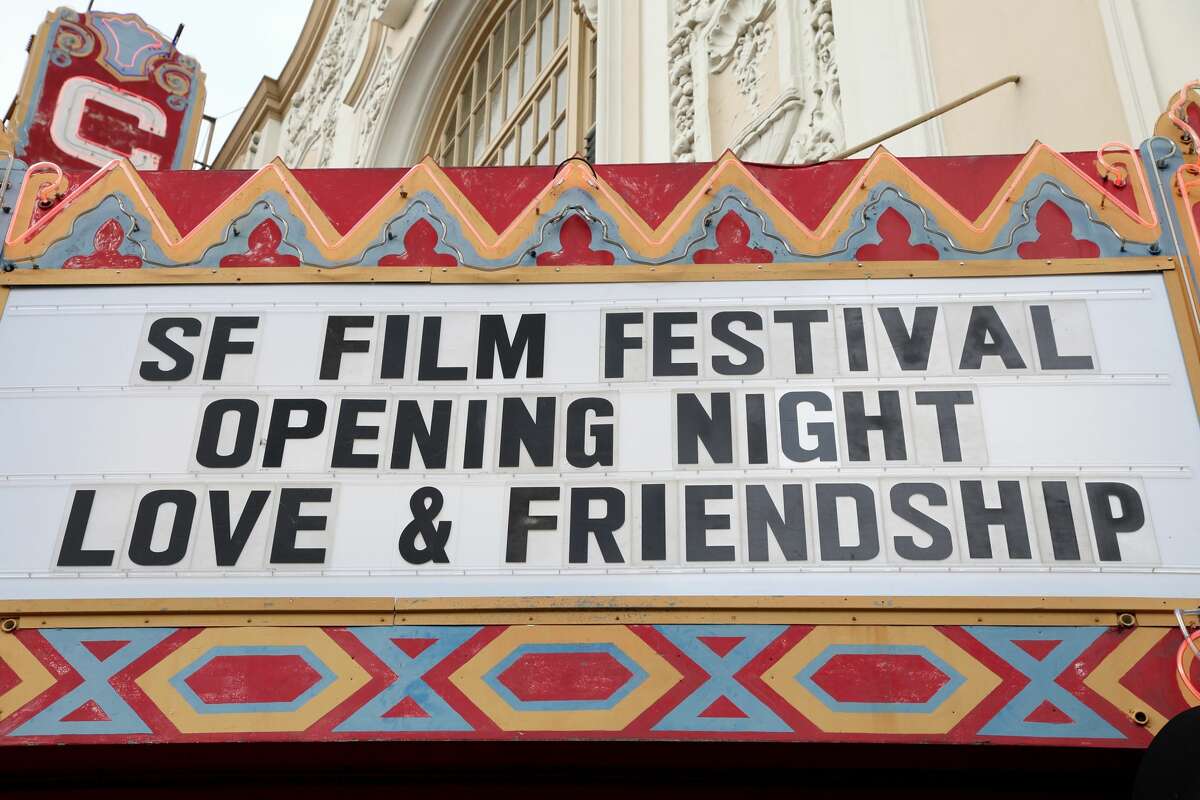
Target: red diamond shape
{"points": [[565, 676], [252, 679], [880, 678]]}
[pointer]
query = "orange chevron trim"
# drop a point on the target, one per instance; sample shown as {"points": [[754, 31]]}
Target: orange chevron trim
{"points": [[1174, 123], [27, 239]]}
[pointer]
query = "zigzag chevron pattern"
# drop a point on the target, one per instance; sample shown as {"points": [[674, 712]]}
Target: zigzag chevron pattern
{"points": [[1048, 206], [951, 684]]}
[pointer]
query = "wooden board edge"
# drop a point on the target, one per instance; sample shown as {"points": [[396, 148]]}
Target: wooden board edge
{"points": [[585, 274]]}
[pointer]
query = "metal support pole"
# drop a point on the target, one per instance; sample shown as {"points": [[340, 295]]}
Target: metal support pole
{"points": [[937, 112]]}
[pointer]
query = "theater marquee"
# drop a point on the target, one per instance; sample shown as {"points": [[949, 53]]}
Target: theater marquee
{"points": [[958, 436]]}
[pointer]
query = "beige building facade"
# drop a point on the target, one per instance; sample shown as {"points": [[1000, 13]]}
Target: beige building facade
{"points": [[382, 83]]}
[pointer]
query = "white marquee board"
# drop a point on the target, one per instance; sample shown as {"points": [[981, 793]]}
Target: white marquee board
{"points": [[985, 436]]}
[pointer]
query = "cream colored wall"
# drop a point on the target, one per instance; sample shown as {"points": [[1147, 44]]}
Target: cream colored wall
{"points": [[1171, 27], [1068, 96], [1092, 71]]}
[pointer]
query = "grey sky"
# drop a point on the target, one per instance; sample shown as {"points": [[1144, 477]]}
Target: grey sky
{"points": [[235, 41]]}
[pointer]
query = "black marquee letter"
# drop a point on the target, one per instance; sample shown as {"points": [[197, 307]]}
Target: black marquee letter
{"points": [[521, 522], [789, 428], [665, 343], [752, 354], [529, 340], [519, 429], [211, 425], [694, 425], [289, 521], [829, 526], [72, 553], [578, 430], [183, 359], [979, 517], [141, 541], [616, 342], [944, 404], [220, 345], [889, 421], [987, 336], [348, 431], [801, 321], [1047, 343], [431, 438], [787, 528], [911, 347], [1106, 524], [602, 528], [280, 428], [337, 345], [229, 540], [941, 543], [698, 522]]}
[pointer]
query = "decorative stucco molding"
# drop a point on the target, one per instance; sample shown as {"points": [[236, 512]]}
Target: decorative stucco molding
{"points": [[690, 16], [375, 100], [769, 137], [800, 118], [732, 27], [823, 136], [312, 120]]}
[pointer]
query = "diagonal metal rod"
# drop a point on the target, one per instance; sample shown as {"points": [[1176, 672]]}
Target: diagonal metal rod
{"points": [[928, 115]]}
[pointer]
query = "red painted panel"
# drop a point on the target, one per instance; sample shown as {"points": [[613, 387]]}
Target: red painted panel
{"points": [[653, 190], [346, 195], [565, 676], [190, 196], [807, 192], [880, 678], [970, 197], [259, 678], [500, 193]]}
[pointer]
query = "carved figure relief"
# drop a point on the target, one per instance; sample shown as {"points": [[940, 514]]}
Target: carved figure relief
{"points": [[312, 121], [375, 101], [757, 76], [747, 60], [689, 17]]}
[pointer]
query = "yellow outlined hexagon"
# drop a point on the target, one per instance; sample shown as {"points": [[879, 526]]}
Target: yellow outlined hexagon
{"points": [[156, 681], [660, 677], [978, 681]]}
